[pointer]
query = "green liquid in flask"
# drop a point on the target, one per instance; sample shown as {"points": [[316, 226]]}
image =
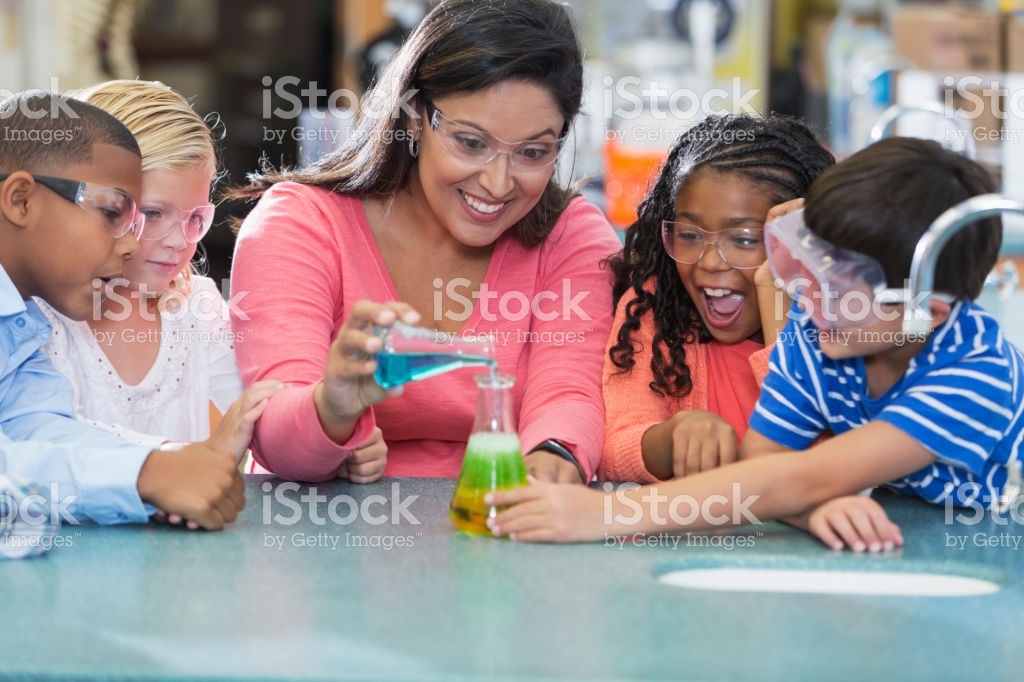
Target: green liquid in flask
{"points": [[493, 462]]}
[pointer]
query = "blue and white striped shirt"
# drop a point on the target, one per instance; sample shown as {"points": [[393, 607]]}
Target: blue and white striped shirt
{"points": [[961, 397]]}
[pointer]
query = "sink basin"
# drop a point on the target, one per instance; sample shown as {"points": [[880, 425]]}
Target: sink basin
{"points": [[888, 583]]}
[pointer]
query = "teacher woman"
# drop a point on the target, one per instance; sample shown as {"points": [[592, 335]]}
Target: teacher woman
{"points": [[441, 210]]}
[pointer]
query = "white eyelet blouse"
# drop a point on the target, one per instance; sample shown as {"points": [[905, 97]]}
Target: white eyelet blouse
{"points": [[194, 366]]}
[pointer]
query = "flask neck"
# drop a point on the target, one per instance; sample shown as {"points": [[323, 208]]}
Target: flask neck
{"points": [[494, 405]]}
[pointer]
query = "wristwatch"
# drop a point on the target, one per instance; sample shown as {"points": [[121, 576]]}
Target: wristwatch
{"points": [[558, 448]]}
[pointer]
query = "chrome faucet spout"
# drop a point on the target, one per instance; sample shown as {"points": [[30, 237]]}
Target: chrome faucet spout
{"points": [[897, 111], [922, 269]]}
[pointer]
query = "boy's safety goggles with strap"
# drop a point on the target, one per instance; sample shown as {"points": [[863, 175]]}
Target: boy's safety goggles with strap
{"points": [[836, 288]]}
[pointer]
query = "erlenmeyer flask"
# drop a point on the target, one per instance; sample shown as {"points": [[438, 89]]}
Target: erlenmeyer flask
{"points": [[410, 353], [493, 460]]}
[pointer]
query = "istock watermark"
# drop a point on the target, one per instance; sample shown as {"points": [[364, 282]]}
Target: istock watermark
{"points": [[624, 98], [341, 510], [967, 88], [510, 305], [683, 103], [670, 540], [711, 510], [34, 508], [202, 306], [850, 306]]}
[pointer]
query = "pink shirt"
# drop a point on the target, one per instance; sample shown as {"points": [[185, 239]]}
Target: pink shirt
{"points": [[725, 380], [305, 256]]}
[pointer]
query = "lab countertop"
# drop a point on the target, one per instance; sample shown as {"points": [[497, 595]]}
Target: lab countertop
{"points": [[397, 593]]}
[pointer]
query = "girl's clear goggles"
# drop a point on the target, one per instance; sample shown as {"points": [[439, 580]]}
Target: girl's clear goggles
{"points": [[837, 288], [739, 247], [162, 218]]}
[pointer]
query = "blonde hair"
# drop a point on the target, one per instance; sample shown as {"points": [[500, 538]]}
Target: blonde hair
{"points": [[171, 135]]}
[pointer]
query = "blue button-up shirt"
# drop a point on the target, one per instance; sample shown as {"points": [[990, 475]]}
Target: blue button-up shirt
{"points": [[41, 441]]}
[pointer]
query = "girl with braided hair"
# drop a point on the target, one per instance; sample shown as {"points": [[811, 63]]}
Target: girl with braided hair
{"points": [[696, 303]]}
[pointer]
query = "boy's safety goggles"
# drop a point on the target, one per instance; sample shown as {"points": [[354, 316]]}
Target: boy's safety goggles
{"points": [[112, 208], [836, 288]]}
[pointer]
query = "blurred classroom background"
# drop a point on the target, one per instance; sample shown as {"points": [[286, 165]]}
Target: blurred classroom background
{"points": [[272, 70]]}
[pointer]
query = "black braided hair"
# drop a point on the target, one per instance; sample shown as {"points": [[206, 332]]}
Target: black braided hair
{"points": [[781, 154]]}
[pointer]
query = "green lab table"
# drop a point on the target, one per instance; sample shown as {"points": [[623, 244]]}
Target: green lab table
{"points": [[290, 599]]}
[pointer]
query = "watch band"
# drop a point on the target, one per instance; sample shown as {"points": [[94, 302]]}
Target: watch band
{"points": [[558, 448]]}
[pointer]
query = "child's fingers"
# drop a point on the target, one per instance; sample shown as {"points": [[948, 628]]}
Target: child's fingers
{"points": [[888, 532], [840, 523], [680, 448], [256, 412], [501, 498], [820, 527], [727, 450], [782, 209], [529, 516], [536, 535], [694, 455], [865, 528], [709, 454], [262, 390]]}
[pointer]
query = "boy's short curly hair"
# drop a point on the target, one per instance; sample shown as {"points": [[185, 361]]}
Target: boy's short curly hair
{"points": [[881, 200], [40, 130]]}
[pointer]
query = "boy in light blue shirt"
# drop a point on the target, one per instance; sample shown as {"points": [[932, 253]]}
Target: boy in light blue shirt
{"points": [[69, 173]]}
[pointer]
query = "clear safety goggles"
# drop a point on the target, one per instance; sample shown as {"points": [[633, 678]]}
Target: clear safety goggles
{"points": [[836, 288], [162, 218]]}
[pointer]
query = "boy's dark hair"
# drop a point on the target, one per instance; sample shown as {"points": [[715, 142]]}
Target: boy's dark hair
{"points": [[461, 46], [781, 154], [41, 130], [881, 200]]}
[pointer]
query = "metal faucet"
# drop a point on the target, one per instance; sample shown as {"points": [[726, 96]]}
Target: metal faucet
{"points": [[929, 248], [897, 111], [922, 279]]}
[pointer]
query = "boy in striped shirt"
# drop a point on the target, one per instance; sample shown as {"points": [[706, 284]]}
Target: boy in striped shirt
{"points": [[939, 414], [936, 415]]}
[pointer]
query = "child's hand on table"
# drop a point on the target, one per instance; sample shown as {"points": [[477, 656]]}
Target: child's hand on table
{"points": [[193, 483], [366, 463], [855, 521], [231, 437], [701, 441], [234, 431], [550, 512]]}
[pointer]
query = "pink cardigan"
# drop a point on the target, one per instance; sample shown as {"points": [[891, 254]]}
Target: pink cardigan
{"points": [[305, 256], [633, 408]]}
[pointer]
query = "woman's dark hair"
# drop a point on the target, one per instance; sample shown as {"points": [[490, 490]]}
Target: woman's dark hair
{"points": [[881, 200], [461, 46], [779, 154]]}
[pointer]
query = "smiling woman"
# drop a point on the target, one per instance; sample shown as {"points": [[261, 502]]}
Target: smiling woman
{"points": [[443, 199]]}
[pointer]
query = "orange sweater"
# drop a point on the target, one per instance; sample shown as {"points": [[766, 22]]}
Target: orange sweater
{"points": [[631, 407]]}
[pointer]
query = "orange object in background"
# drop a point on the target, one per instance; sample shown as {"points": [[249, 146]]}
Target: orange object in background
{"points": [[628, 174]]}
